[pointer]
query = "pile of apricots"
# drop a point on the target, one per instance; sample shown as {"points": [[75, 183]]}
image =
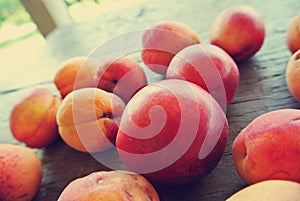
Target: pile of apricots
{"points": [[111, 104]]}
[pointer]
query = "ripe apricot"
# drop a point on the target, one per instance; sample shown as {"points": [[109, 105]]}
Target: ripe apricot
{"points": [[268, 147], [123, 77], [74, 73], [33, 118], [292, 75], [110, 186], [208, 66], [275, 190], [163, 40], [172, 132], [239, 30], [88, 119], [293, 34], [21, 173]]}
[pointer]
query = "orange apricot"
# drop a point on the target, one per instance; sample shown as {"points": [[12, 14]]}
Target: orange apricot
{"points": [[33, 118], [21, 173], [88, 119], [292, 75], [110, 186], [75, 73]]}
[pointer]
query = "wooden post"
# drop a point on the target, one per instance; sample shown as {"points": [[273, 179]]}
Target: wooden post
{"points": [[48, 14]]}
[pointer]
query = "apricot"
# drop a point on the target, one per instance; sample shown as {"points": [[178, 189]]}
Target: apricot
{"points": [[21, 173], [239, 30], [292, 75], [88, 119], [208, 66], [123, 77], [33, 118], [75, 73], [293, 34], [163, 40], [268, 148], [275, 190], [110, 186], [172, 132]]}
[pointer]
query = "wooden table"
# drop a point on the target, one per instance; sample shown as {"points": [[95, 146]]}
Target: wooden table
{"points": [[262, 86]]}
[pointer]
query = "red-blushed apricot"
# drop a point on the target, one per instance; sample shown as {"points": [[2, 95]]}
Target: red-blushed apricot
{"points": [[208, 66], [110, 186], [20, 173], [88, 119], [172, 132], [293, 34], [75, 73], [33, 118], [275, 190], [292, 75], [123, 77], [163, 40], [268, 147], [239, 30]]}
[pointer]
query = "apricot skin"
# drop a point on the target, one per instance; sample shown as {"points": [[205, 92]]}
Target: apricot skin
{"points": [[275, 190], [162, 41], [161, 137], [21, 173], [123, 77], [88, 119], [33, 118], [110, 186], [293, 34], [198, 63], [268, 148], [75, 73], [239, 30], [292, 75]]}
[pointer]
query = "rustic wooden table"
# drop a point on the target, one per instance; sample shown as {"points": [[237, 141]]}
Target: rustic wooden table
{"points": [[262, 86]]}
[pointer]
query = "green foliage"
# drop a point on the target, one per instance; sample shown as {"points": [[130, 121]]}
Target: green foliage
{"points": [[13, 41], [71, 2], [8, 8], [19, 17]]}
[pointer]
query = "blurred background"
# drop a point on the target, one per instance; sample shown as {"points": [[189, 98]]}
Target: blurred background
{"points": [[18, 29], [25, 24]]}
